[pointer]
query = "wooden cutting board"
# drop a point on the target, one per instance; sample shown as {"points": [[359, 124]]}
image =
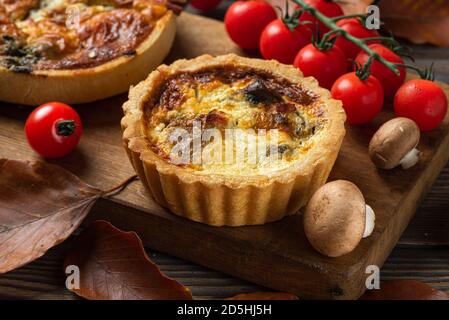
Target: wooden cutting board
{"points": [[275, 255]]}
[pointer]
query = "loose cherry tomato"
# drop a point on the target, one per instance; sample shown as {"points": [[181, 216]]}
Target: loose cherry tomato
{"points": [[362, 99], [388, 79], [355, 28], [245, 21], [53, 129], [205, 5], [423, 101], [326, 66], [280, 43], [328, 8]]}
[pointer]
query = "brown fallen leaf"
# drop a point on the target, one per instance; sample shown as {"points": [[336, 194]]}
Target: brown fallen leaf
{"points": [[114, 266], [177, 6], [424, 21], [405, 290], [264, 296], [40, 206], [354, 6]]}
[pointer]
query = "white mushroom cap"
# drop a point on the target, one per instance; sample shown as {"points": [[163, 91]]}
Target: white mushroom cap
{"points": [[336, 218], [370, 221], [395, 144]]}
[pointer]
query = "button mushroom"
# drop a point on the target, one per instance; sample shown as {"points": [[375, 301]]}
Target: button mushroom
{"points": [[337, 218], [395, 144]]}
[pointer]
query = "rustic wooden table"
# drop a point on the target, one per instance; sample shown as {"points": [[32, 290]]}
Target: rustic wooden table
{"points": [[422, 253]]}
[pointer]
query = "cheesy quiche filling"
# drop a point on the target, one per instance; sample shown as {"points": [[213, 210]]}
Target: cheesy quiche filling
{"points": [[73, 34], [232, 120]]}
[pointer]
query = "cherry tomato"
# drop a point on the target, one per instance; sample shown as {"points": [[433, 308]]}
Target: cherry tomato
{"points": [[245, 21], [328, 8], [279, 43], [388, 79], [423, 101], [205, 5], [355, 28], [362, 99], [53, 129], [326, 66]]}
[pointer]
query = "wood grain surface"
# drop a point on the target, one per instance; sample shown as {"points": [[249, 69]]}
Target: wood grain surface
{"points": [[101, 155]]}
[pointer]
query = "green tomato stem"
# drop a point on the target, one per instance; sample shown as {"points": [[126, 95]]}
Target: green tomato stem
{"points": [[65, 128], [426, 74], [385, 39], [349, 16]]}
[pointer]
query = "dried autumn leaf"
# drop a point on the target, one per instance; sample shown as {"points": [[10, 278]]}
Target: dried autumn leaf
{"points": [[348, 6], [354, 6], [176, 5], [40, 206], [264, 296], [424, 21], [405, 290], [114, 266]]}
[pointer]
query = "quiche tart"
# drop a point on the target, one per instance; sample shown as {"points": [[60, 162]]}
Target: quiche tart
{"points": [[282, 134], [80, 51]]}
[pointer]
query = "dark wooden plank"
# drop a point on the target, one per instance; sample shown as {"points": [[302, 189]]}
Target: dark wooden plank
{"points": [[44, 278], [429, 227], [431, 223]]}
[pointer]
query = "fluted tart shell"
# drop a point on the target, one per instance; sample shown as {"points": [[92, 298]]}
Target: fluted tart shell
{"points": [[231, 199]]}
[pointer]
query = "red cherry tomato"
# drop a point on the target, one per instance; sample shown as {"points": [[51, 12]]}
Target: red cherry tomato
{"points": [[53, 129], [205, 5], [423, 101], [328, 8], [279, 43], [245, 21], [389, 81], [355, 28], [362, 99], [326, 66]]}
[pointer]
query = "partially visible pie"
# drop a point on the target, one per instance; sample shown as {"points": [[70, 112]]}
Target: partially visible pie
{"points": [[79, 51], [231, 140]]}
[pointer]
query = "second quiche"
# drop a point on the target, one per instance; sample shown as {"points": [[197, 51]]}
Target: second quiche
{"points": [[230, 140], [79, 51]]}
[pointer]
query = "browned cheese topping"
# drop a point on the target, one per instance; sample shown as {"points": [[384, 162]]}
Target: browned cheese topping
{"points": [[73, 34]]}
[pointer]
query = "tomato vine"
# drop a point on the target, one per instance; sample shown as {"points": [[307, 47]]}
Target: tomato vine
{"points": [[336, 30]]}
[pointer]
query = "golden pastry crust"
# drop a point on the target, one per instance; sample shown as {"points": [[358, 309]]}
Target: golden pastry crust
{"points": [[109, 48], [231, 199]]}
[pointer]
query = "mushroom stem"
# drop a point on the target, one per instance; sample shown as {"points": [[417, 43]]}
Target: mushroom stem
{"points": [[410, 159], [369, 221]]}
